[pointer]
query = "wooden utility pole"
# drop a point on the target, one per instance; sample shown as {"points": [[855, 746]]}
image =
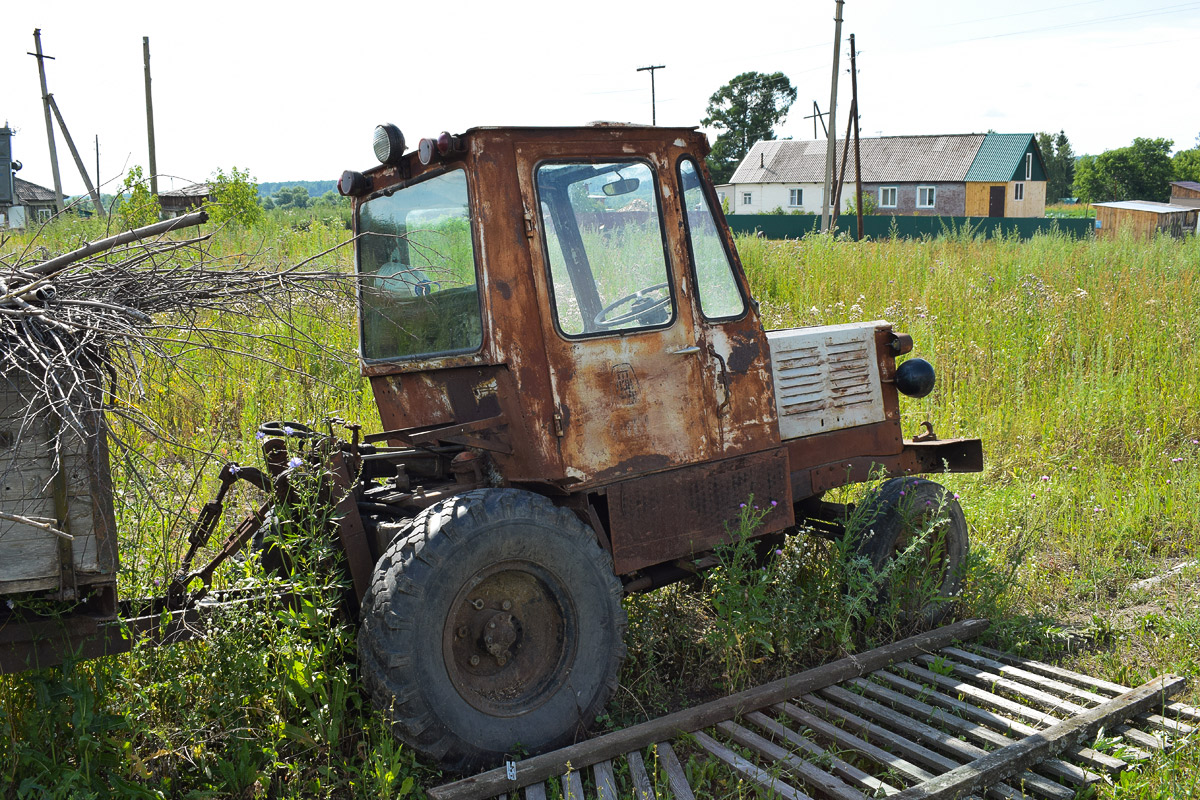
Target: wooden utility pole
{"points": [[41, 59], [78, 160], [653, 113], [857, 164], [150, 119], [829, 148]]}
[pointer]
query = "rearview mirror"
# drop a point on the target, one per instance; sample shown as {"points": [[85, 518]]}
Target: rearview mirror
{"points": [[623, 186]]}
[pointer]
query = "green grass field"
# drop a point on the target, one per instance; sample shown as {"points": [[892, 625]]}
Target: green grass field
{"points": [[1075, 361]]}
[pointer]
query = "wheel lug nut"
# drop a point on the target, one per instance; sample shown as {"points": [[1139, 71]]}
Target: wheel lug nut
{"points": [[506, 605], [501, 660], [477, 604], [491, 625], [462, 632], [488, 638], [474, 661]]}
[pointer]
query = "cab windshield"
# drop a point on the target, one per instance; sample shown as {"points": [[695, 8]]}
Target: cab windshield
{"points": [[416, 262]]}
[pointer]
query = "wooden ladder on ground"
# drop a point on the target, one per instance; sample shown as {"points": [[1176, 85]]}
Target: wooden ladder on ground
{"points": [[919, 718]]}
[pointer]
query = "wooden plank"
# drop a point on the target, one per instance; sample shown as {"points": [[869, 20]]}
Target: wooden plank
{"points": [[980, 733], [909, 749], [983, 662], [536, 791], [987, 698], [1027, 693], [572, 784], [1007, 761], [1079, 679], [828, 785], [883, 758], [1142, 738], [748, 770], [643, 789], [676, 777], [606, 782], [951, 746], [847, 772], [617, 743]]}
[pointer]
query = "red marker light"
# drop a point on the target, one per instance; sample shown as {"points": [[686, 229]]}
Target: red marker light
{"points": [[444, 142]]}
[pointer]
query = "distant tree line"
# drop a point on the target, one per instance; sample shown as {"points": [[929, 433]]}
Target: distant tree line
{"points": [[1142, 171]]}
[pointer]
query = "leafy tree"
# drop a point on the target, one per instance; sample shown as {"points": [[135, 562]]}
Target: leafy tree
{"points": [[1186, 164], [1141, 171], [138, 206], [234, 198], [1060, 164], [746, 110], [289, 197]]}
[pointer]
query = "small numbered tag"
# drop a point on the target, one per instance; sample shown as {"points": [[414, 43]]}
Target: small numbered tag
{"points": [[510, 769]]}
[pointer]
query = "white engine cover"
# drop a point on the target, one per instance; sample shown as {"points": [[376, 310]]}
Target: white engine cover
{"points": [[826, 378]]}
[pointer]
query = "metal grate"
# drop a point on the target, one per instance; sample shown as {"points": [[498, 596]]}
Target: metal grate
{"points": [[909, 720], [826, 379]]}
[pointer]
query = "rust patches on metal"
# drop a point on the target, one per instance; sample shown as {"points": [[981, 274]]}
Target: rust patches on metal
{"points": [[681, 512]]}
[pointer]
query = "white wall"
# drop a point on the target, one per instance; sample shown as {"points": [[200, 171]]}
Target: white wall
{"points": [[767, 197]]}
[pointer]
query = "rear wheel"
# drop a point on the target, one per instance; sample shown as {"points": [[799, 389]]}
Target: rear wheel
{"points": [[493, 624], [917, 537]]}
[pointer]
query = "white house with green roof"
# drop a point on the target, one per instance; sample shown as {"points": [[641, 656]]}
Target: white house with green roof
{"points": [[969, 174]]}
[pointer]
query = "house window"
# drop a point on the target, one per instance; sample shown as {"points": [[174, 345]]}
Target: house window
{"points": [[796, 197], [747, 198], [1018, 191], [1029, 166], [44, 214], [926, 196], [887, 197]]}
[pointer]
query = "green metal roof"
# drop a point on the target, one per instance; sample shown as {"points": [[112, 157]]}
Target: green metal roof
{"points": [[999, 157]]}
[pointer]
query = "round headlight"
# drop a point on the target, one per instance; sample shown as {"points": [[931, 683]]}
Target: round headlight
{"points": [[915, 377], [388, 143]]}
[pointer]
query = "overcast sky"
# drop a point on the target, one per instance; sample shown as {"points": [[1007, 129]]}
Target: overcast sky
{"points": [[292, 91]]}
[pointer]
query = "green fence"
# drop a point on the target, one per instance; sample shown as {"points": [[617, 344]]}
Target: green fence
{"points": [[793, 226]]}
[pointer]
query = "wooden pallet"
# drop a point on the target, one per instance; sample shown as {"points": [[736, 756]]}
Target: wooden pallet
{"points": [[919, 718]]}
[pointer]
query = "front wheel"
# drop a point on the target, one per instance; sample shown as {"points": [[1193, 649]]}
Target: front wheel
{"points": [[916, 540], [492, 625]]}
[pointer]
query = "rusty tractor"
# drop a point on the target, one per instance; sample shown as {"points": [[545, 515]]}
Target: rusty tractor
{"points": [[576, 394]]}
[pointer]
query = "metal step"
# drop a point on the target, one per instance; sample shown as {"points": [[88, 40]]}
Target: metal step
{"points": [[926, 717]]}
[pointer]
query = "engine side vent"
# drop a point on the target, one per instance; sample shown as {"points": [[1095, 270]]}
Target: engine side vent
{"points": [[826, 378]]}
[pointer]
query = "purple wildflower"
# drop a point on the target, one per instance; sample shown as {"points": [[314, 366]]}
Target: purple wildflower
{"points": [[288, 430], [295, 461], [234, 469], [260, 436]]}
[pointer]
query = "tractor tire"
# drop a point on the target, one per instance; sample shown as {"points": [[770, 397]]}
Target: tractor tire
{"points": [[492, 626], [926, 583]]}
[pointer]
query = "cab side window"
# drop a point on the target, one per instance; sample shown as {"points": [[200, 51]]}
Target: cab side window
{"points": [[720, 297]]}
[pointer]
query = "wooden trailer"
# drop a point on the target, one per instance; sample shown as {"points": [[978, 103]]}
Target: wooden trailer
{"points": [[57, 527]]}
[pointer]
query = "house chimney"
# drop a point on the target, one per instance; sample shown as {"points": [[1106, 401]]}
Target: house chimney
{"points": [[6, 166]]}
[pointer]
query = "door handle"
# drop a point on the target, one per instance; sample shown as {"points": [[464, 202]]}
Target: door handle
{"points": [[686, 351]]}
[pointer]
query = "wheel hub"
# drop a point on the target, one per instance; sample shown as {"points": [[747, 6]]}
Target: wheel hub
{"points": [[509, 638]]}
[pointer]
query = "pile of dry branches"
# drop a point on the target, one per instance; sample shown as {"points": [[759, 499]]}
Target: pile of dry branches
{"points": [[75, 328]]}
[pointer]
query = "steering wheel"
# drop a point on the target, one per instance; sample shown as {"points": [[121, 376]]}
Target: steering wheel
{"points": [[642, 304]]}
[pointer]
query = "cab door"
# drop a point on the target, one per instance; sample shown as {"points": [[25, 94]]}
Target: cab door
{"points": [[737, 355], [626, 361]]}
